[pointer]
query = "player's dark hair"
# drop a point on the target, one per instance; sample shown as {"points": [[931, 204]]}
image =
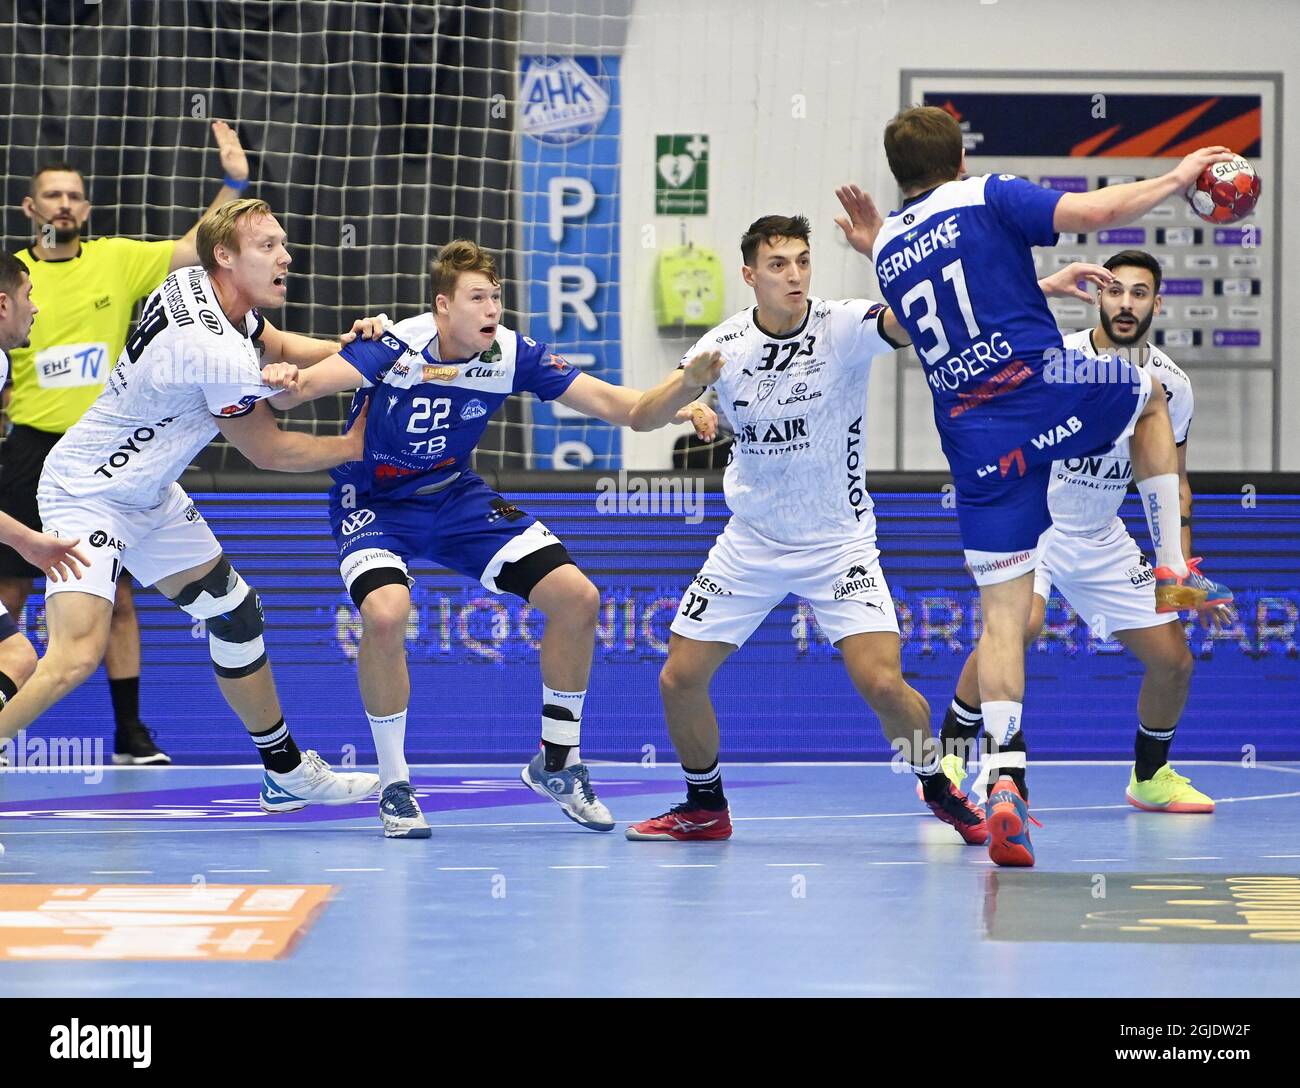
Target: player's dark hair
{"points": [[1136, 258], [12, 273], [769, 229], [923, 145], [454, 258], [59, 167]]}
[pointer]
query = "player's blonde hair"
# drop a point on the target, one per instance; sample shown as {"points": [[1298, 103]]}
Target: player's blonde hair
{"points": [[456, 257], [221, 228]]}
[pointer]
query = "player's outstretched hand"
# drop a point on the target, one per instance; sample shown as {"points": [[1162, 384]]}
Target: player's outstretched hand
{"points": [[355, 435], [233, 160], [367, 328], [703, 418], [280, 376], [863, 221], [1216, 619], [58, 557], [704, 368], [1065, 283], [1187, 171]]}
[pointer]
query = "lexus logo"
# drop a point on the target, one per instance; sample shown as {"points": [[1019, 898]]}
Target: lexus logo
{"points": [[357, 520]]}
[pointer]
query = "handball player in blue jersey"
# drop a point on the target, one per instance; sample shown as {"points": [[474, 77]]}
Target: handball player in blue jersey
{"points": [[955, 264], [431, 385]]}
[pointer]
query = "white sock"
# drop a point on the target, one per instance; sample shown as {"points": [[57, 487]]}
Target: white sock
{"points": [[389, 731], [1002, 720], [1164, 520], [563, 723]]}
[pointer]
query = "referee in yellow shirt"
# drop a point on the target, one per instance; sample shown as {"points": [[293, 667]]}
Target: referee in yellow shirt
{"points": [[88, 290]]}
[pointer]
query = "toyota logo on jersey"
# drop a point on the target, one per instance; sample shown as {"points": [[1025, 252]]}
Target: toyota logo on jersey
{"points": [[359, 519]]}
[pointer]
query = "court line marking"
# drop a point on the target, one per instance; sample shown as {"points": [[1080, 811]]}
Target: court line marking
{"points": [[794, 864], [467, 868], [577, 866], [238, 870], [354, 870], [1100, 859], [121, 872], [709, 865], [18, 874], [1207, 857], [369, 827], [1280, 855], [898, 863]]}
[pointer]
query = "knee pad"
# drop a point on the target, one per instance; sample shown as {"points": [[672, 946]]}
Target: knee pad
{"points": [[232, 612]]}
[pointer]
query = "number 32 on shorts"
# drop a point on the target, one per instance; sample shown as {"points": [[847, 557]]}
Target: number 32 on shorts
{"points": [[694, 606]]}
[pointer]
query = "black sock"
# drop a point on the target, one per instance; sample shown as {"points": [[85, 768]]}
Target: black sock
{"points": [[934, 783], [8, 689], [961, 728], [1016, 774], [1151, 751], [276, 747], [125, 694], [704, 787]]}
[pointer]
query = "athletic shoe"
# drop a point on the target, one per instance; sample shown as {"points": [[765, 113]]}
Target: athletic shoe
{"points": [[1166, 791], [684, 823], [1175, 594], [400, 813], [134, 747], [955, 808], [1008, 822], [313, 783], [571, 790], [954, 767]]}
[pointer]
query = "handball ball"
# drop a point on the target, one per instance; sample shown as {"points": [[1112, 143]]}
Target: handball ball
{"points": [[1225, 192]]}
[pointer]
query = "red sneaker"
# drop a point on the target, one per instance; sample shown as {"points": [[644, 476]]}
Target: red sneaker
{"points": [[685, 824], [1009, 822], [956, 809]]}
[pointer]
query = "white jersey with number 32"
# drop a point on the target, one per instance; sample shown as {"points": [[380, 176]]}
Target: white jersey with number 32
{"points": [[797, 404], [184, 364], [1085, 493]]}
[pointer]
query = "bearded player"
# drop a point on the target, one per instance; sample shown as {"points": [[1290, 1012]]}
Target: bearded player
{"points": [[1090, 557]]}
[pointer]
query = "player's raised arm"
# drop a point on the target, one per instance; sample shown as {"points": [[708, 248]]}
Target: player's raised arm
{"points": [[280, 346], [258, 438], [1116, 205], [235, 164], [662, 404], [1065, 283], [616, 403]]}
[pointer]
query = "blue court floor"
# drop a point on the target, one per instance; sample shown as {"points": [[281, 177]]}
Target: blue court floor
{"points": [[835, 882]]}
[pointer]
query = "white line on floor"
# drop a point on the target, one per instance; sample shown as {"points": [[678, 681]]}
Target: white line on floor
{"points": [[1280, 855], [1100, 859], [578, 866], [121, 872], [688, 866], [354, 870], [239, 870], [467, 868], [899, 863], [794, 864], [17, 874], [1206, 857]]}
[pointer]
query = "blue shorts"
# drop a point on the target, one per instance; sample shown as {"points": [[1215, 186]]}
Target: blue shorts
{"points": [[466, 527], [1002, 506]]}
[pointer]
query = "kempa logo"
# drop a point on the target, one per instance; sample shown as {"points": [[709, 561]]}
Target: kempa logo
{"points": [[115, 1042], [357, 520]]}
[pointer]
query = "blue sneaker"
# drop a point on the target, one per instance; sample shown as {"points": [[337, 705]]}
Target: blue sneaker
{"points": [[571, 790], [400, 813], [1008, 824], [313, 783]]}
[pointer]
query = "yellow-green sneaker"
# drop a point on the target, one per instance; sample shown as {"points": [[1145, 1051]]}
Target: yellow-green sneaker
{"points": [[955, 768], [1166, 791]]}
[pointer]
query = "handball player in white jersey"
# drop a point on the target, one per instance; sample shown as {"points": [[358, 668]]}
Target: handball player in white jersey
{"points": [[192, 366], [1096, 565], [791, 376]]}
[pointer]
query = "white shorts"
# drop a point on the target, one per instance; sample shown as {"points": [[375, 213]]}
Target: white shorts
{"points": [[1106, 579], [746, 575], [151, 544]]}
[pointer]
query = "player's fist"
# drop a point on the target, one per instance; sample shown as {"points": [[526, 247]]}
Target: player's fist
{"points": [[704, 368], [58, 557], [1187, 171], [703, 418], [1065, 283], [280, 376], [367, 328], [861, 222], [233, 160]]}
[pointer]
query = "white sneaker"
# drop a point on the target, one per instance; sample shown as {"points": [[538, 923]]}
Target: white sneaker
{"points": [[571, 790], [313, 783]]}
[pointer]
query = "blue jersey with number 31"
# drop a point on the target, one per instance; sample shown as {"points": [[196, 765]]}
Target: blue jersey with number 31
{"points": [[956, 267]]}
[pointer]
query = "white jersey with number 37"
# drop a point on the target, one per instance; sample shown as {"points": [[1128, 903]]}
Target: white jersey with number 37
{"points": [[1085, 493], [797, 404], [184, 364]]}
